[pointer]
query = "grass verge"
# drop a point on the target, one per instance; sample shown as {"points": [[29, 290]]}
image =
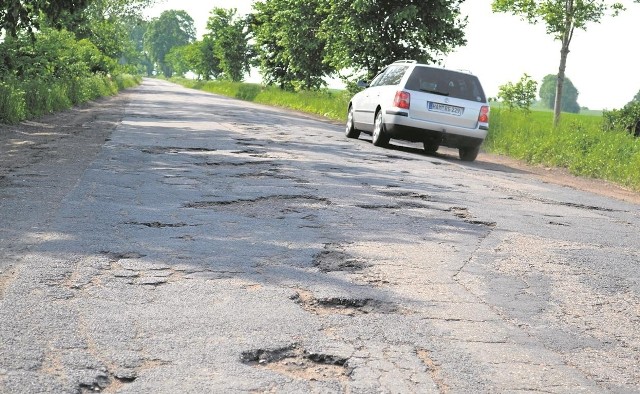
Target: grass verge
{"points": [[20, 100]]}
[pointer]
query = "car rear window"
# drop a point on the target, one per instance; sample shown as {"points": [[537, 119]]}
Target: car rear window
{"points": [[447, 83]]}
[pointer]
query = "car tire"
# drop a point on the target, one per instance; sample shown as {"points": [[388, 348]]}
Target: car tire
{"points": [[380, 138], [351, 131], [469, 153], [430, 147]]}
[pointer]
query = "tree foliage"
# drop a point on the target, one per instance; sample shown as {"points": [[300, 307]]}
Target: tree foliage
{"points": [[171, 29], [230, 38], [110, 25], [366, 35], [52, 55], [561, 18], [519, 95], [16, 16], [569, 94], [289, 49]]}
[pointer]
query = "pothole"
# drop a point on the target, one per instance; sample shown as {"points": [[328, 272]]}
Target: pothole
{"points": [[122, 255], [296, 362], [157, 224], [337, 260], [407, 194], [460, 212], [275, 198], [158, 150], [576, 205], [342, 305], [378, 206], [463, 213], [238, 163]]}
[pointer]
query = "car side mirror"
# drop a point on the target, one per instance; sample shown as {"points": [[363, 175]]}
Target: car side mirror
{"points": [[363, 84]]}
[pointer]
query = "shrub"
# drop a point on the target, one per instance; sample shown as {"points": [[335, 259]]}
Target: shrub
{"points": [[519, 95], [627, 118]]}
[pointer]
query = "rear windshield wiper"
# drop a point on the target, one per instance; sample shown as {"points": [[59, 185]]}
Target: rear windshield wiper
{"points": [[435, 92]]}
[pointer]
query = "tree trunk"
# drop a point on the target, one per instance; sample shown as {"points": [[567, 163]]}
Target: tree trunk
{"points": [[557, 106], [564, 53]]}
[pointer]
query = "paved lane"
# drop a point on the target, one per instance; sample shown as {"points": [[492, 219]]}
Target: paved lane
{"points": [[218, 246]]}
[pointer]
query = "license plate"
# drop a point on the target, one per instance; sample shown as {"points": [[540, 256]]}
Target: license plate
{"points": [[444, 108]]}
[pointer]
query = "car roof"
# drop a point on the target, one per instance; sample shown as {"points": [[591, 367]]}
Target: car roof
{"points": [[416, 64]]}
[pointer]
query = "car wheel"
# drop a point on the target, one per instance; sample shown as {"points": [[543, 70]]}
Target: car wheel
{"points": [[430, 147], [379, 136], [469, 153], [351, 131]]}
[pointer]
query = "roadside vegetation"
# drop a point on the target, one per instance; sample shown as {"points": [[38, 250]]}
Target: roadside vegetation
{"points": [[578, 144], [56, 55]]}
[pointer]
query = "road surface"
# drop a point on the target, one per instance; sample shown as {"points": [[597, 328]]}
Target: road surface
{"points": [[180, 241]]}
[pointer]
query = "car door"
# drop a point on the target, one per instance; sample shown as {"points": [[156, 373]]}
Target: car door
{"points": [[382, 93], [362, 103]]}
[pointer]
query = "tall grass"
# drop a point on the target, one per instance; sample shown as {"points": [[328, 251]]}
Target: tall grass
{"points": [[20, 100], [578, 144], [12, 103]]}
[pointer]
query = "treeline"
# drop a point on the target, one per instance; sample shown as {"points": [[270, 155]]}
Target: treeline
{"points": [[296, 44]]}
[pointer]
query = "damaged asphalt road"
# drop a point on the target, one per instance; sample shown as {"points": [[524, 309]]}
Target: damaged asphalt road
{"points": [[194, 243]]}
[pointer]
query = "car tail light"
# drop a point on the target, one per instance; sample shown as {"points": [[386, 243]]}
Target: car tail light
{"points": [[402, 100], [484, 114]]}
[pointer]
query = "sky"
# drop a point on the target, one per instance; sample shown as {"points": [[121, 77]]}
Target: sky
{"points": [[501, 48]]}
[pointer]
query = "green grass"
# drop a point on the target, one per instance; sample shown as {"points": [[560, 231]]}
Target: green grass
{"points": [[47, 96], [578, 143]]}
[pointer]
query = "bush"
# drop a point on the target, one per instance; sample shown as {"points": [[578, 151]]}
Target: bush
{"points": [[519, 95], [627, 118]]}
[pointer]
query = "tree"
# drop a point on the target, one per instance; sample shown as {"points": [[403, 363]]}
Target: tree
{"points": [[230, 38], [177, 60], [172, 29], [110, 25], [365, 35], [561, 17], [519, 95], [208, 64], [570, 94], [636, 98], [140, 57], [289, 49], [16, 15]]}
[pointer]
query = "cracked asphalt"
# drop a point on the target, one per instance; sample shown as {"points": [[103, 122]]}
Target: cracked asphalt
{"points": [[170, 240]]}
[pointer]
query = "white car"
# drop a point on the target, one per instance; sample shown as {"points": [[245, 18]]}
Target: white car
{"points": [[421, 103]]}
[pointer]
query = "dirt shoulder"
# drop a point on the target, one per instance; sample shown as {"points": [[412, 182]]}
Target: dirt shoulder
{"points": [[67, 134], [63, 135]]}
